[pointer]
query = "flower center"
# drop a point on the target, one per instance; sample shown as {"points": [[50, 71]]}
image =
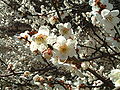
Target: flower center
{"points": [[109, 18], [63, 48], [65, 30], [55, 19], [37, 79], [40, 38]]}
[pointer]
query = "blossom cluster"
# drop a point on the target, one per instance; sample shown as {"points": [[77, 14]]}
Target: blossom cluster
{"points": [[50, 45], [73, 49], [104, 15]]}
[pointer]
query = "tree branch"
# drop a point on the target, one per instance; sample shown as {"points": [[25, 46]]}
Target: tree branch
{"points": [[107, 82]]}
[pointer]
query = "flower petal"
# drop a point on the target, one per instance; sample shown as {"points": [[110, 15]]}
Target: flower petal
{"points": [[60, 26], [61, 40], [43, 30], [67, 25], [109, 6], [115, 12], [115, 20], [105, 13]]}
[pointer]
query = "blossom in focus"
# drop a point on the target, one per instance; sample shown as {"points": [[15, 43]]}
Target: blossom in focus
{"points": [[110, 18], [39, 40], [64, 48], [34, 47], [65, 29], [41, 36]]}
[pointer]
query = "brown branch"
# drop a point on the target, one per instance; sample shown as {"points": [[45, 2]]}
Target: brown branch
{"points": [[10, 74], [90, 86], [100, 56], [55, 6], [106, 82], [34, 70], [3, 62]]}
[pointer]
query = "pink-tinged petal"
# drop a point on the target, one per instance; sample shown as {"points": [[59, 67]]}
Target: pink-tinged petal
{"points": [[115, 12]]}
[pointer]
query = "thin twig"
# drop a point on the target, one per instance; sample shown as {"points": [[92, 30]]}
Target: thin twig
{"points": [[3, 62], [107, 82], [54, 5]]}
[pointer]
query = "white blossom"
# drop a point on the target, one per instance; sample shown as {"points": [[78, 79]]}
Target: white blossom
{"points": [[110, 18], [64, 48], [53, 20], [65, 29], [85, 65]]}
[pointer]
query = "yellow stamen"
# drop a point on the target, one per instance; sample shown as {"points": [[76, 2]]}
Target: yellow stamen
{"points": [[65, 30], [40, 38], [63, 48], [109, 18]]}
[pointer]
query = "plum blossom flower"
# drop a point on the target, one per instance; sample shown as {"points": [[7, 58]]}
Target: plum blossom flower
{"points": [[64, 48], [37, 47], [85, 65], [110, 18], [41, 36], [96, 19], [39, 40], [33, 46], [53, 20], [65, 29]]}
